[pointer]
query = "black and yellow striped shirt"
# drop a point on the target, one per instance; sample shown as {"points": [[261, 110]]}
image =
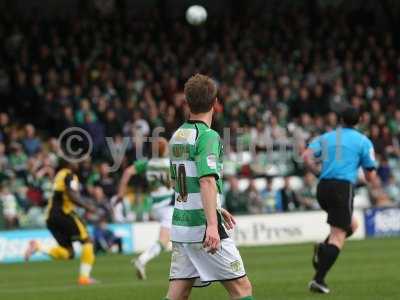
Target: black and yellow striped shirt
{"points": [[60, 201]]}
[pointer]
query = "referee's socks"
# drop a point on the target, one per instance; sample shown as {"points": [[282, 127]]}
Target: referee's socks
{"points": [[327, 256]]}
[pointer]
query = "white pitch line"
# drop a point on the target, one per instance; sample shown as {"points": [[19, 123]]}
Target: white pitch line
{"points": [[68, 287]]}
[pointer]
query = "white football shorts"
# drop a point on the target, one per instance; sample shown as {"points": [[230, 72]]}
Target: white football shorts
{"points": [[192, 261], [163, 215]]}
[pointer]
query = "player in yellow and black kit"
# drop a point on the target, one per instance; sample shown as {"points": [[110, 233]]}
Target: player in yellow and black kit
{"points": [[66, 226]]}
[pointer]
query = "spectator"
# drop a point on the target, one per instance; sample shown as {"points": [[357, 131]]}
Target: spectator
{"points": [[394, 123], [308, 193], [392, 189], [105, 240], [260, 136], [112, 124], [103, 205], [269, 197], [102, 178], [255, 204], [4, 125], [377, 140], [287, 199], [378, 195], [66, 119], [85, 113], [3, 158], [235, 200], [18, 159], [96, 132], [10, 208], [274, 131], [384, 171], [137, 127], [30, 141]]}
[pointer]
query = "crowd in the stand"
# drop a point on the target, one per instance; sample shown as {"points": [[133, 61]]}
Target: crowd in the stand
{"points": [[280, 82]]}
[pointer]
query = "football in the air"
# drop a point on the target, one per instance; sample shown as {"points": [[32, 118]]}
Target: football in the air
{"points": [[196, 15]]}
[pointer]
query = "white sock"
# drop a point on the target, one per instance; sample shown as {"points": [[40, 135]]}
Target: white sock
{"points": [[85, 270], [43, 248], [150, 253]]}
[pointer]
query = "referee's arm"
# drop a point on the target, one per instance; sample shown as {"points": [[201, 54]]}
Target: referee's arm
{"points": [[368, 162], [370, 175], [310, 163], [313, 151], [72, 190]]}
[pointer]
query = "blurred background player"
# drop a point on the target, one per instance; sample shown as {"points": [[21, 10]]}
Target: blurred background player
{"points": [[65, 225], [342, 152], [158, 177]]}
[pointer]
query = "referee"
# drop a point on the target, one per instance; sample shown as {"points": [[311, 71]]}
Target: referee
{"points": [[341, 153]]}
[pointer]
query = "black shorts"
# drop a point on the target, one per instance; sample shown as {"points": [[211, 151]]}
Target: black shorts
{"points": [[336, 198], [67, 228]]}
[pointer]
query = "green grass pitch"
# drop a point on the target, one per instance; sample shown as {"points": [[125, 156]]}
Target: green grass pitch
{"points": [[367, 270]]}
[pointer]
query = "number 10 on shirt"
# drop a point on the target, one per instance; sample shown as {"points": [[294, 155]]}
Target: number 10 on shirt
{"points": [[179, 173]]}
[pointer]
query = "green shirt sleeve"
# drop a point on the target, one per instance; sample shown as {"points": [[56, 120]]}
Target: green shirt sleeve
{"points": [[208, 156], [140, 166]]}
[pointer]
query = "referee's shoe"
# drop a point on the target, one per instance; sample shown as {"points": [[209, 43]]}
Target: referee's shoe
{"points": [[318, 287]]}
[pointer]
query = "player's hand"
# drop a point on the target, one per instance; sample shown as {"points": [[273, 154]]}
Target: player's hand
{"points": [[229, 220], [316, 171], [212, 241]]}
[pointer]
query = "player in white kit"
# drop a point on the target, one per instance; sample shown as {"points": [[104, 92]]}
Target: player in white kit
{"points": [[157, 172]]}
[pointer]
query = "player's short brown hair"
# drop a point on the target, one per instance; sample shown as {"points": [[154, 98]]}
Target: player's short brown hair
{"points": [[200, 92]]}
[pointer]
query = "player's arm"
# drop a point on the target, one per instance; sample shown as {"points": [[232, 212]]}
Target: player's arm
{"points": [[208, 190], [368, 162], [72, 190], [370, 175], [208, 151], [313, 151], [126, 176], [138, 167], [310, 163]]}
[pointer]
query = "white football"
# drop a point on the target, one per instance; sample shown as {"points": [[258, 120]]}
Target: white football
{"points": [[196, 15]]}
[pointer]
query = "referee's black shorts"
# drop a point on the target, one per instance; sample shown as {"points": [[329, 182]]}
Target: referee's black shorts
{"points": [[67, 228], [336, 198]]}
